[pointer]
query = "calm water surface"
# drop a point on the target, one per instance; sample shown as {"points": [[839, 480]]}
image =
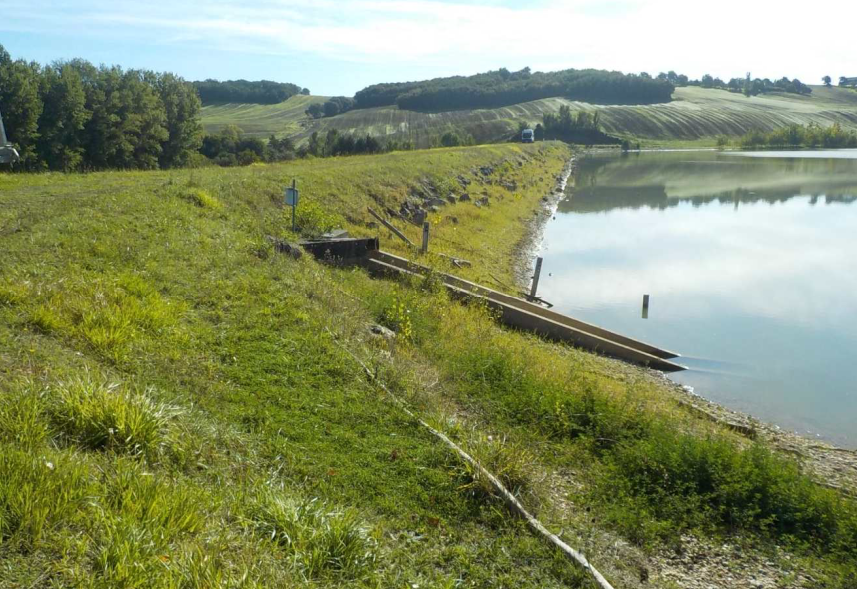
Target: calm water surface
{"points": [[751, 263]]}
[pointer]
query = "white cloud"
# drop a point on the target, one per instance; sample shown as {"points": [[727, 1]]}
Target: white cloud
{"points": [[726, 39]]}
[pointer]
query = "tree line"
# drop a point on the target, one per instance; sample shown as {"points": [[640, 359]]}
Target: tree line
{"points": [[72, 116], [243, 91], [811, 135], [584, 127], [230, 147], [747, 85], [502, 88], [330, 108]]}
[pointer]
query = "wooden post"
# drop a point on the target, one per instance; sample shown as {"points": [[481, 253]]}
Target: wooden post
{"points": [[395, 231], [426, 227], [645, 306], [535, 286], [295, 206]]}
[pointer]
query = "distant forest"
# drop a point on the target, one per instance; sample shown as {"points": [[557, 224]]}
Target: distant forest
{"points": [[243, 91], [746, 85], [503, 88], [73, 116]]}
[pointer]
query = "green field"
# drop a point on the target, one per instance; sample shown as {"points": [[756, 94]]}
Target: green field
{"points": [[261, 120], [180, 405], [695, 117]]}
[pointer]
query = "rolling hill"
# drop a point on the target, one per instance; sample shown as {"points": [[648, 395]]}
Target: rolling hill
{"points": [[695, 115], [261, 120]]}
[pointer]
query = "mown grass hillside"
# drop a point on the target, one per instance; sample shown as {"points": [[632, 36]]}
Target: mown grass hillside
{"points": [[182, 406], [695, 116], [287, 118]]}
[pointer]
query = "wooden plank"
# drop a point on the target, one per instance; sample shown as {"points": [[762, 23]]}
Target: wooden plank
{"points": [[523, 319], [553, 316], [389, 226]]}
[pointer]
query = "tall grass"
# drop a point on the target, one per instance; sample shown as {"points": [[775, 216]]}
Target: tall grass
{"points": [[38, 493], [319, 541], [705, 482], [108, 314], [98, 415], [22, 415], [662, 473]]}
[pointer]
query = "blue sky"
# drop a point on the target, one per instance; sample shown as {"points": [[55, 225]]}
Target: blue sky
{"points": [[339, 47]]}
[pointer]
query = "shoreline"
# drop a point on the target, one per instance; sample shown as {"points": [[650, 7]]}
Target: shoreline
{"points": [[834, 467], [529, 245]]}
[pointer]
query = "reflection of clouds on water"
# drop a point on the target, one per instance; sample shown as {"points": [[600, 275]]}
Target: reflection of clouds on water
{"points": [[785, 261], [748, 273]]}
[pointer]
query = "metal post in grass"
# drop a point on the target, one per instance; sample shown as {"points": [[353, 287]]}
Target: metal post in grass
{"points": [[425, 236], [645, 306], [535, 286], [292, 200]]}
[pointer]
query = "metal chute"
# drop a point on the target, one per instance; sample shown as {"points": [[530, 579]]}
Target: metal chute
{"points": [[8, 153]]}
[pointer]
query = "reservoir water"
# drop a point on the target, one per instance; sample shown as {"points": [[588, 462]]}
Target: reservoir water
{"points": [[750, 261]]}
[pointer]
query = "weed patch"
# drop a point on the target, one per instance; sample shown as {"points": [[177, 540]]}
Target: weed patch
{"points": [[38, 493], [97, 415], [22, 415], [685, 481], [320, 542]]}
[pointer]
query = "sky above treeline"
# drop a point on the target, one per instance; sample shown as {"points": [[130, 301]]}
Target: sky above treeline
{"points": [[336, 47]]}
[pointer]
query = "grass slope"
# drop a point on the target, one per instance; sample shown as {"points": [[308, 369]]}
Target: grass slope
{"points": [[261, 120], [696, 115], [179, 406], [175, 413]]}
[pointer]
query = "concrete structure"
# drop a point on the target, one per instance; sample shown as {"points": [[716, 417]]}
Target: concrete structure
{"points": [[522, 314], [512, 311]]}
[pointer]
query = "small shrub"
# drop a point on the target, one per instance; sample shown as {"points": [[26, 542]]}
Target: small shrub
{"points": [[312, 218], [199, 197], [398, 318], [102, 416], [319, 541]]}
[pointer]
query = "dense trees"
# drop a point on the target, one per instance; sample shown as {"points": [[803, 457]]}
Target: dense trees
{"points": [[335, 106], [584, 127], [260, 92], [21, 104], [184, 131], [72, 116], [746, 85], [334, 143], [231, 148], [502, 88], [812, 135], [455, 138]]}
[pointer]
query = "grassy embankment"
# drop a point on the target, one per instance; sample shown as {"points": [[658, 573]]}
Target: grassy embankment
{"points": [[179, 408], [695, 118]]}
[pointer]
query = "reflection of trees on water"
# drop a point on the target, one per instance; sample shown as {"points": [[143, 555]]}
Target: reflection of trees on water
{"points": [[661, 181]]}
